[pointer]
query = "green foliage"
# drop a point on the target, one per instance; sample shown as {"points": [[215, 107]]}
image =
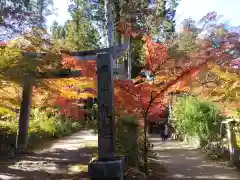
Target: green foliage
{"points": [[42, 124], [58, 31], [139, 51], [237, 113], [130, 121], [187, 42], [8, 127], [76, 34], [7, 113], [8, 56], [8, 133], [184, 42], [195, 117], [14, 66], [128, 140]]}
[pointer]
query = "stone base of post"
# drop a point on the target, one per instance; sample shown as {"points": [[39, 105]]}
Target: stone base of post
{"points": [[107, 169]]}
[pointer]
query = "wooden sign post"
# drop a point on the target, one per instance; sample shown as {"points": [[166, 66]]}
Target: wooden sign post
{"points": [[108, 165], [106, 117]]}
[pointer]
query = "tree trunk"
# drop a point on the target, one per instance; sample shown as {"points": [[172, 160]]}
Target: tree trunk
{"points": [[137, 137], [117, 19], [22, 138], [145, 145], [129, 60]]}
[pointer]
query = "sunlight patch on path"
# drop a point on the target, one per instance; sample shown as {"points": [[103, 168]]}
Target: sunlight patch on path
{"points": [[35, 166], [78, 168], [62, 158], [184, 162], [9, 176], [74, 142]]}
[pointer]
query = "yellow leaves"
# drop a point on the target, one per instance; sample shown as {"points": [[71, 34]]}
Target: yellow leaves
{"points": [[69, 94], [19, 43], [40, 97], [6, 112], [75, 95], [15, 65], [10, 95], [71, 88], [225, 75], [224, 89], [86, 95], [230, 85], [161, 78], [8, 56], [234, 86], [79, 83]]}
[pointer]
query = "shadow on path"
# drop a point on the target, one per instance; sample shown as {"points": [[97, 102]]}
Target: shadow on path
{"points": [[55, 162], [183, 162]]}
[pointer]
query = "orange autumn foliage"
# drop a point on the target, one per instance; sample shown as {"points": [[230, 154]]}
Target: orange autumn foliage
{"points": [[139, 98], [87, 68], [69, 108], [156, 54], [129, 97], [136, 99], [149, 98], [70, 91], [126, 29]]}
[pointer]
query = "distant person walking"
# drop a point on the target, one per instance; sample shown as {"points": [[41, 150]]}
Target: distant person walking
{"points": [[165, 133], [161, 130]]}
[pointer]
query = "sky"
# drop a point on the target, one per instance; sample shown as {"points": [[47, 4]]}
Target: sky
{"points": [[187, 8], [198, 8]]}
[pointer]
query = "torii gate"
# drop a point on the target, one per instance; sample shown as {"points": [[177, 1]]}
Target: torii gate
{"points": [[108, 166], [106, 117]]}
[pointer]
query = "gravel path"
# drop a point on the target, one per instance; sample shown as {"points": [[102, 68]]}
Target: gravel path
{"points": [[184, 163], [66, 158]]}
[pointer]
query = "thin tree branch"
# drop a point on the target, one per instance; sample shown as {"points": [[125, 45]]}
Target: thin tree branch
{"points": [[135, 95]]}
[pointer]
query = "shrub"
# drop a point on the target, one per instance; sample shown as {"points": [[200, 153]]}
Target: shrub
{"points": [[51, 124], [43, 124], [197, 118], [8, 132], [129, 141], [216, 150], [6, 113]]}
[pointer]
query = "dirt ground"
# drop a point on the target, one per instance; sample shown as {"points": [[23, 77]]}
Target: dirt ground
{"points": [[66, 158], [183, 162]]}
